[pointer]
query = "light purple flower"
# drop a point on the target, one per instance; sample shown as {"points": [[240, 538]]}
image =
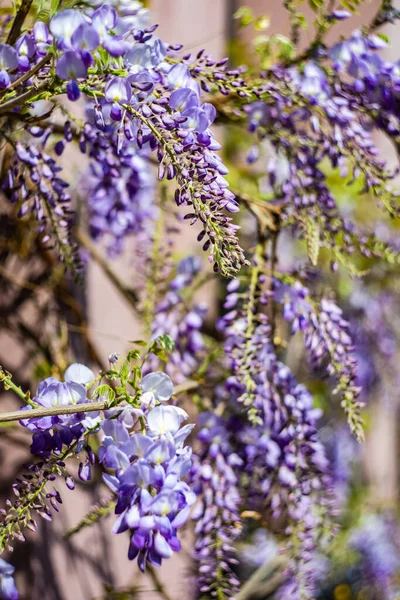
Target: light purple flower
{"points": [[158, 384], [183, 99], [118, 90], [180, 77], [64, 24], [163, 420], [71, 66], [42, 37], [8, 590], [79, 373], [85, 37], [8, 60], [26, 48], [104, 19]]}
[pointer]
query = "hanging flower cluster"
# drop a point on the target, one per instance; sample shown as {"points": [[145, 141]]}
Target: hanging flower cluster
{"points": [[152, 500], [182, 325], [52, 433]]}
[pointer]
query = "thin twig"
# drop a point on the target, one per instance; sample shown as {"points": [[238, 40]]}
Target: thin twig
{"points": [[18, 22], [27, 75], [22, 98], [70, 409], [37, 413], [5, 378], [386, 13], [158, 583]]}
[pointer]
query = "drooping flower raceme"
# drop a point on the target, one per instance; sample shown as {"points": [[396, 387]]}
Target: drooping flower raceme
{"points": [[326, 336], [182, 323], [152, 500]]}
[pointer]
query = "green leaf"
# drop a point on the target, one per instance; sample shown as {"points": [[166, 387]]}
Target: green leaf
{"points": [[106, 390], [316, 4], [138, 342], [244, 15], [286, 48], [136, 376], [383, 37], [162, 347], [351, 4], [124, 372], [262, 23], [133, 355]]}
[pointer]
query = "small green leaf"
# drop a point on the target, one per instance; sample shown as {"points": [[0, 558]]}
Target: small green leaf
{"points": [[106, 390], [136, 376], [133, 355], [124, 373], [286, 47], [316, 4], [262, 23], [383, 37], [244, 15], [302, 21], [162, 346], [138, 342]]}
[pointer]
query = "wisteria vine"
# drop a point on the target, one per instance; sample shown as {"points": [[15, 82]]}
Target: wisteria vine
{"points": [[95, 82]]}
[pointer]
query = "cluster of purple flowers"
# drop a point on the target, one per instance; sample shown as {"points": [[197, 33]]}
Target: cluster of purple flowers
{"points": [[50, 434], [79, 37], [172, 317], [33, 184], [326, 336], [146, 100], [215, 480], [284, 461], [317, 117], [152, 500], [119, 189], [28, 51]]}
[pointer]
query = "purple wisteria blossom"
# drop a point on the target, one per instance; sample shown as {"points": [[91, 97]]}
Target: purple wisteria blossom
{"points": [[51, 433], [153, 501], [326, 336], [215, 479], [8, 61], [172, 317], [8, 590], [120, 189], [42, 38]]}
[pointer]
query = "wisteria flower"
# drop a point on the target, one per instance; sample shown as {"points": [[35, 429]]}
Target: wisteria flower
{"points": [[26, 49], [42, 37], [8, 61], [159, 385], [64, 24], [50, 433], [71, 66], [8, 590], [118, 91], [153, 501]]}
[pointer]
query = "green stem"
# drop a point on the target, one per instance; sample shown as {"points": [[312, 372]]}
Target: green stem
{"points": [[9, 384]]}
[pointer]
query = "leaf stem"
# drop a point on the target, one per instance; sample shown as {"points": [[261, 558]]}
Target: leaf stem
{"points": [[9, 384]]}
